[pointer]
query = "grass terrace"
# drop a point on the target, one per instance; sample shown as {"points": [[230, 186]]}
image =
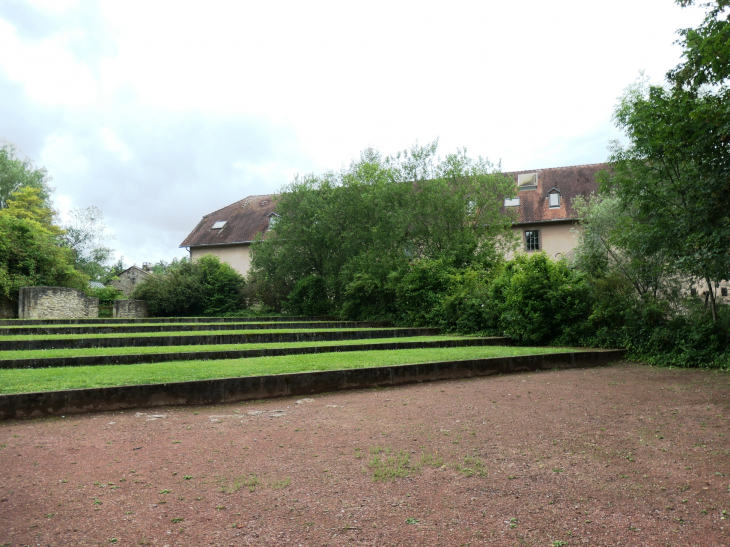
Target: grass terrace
{"points": [[60, 378], [133, 350]]}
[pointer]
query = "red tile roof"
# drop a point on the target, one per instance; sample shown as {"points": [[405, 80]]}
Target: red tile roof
{"points": [[244, 219], [569, 181]]}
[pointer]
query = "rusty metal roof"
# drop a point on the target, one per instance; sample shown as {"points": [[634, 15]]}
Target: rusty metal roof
{"points": [[243, 220]]}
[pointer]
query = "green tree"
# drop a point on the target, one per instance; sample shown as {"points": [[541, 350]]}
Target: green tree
{"points": [[610, 242], [706, 48], [675, 174], [372, 219], [16, 173], [30, 253]]}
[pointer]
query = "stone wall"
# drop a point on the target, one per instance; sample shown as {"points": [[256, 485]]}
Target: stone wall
{"points": [[55, 303], [130, 308], [129, 279], [8, 308]]}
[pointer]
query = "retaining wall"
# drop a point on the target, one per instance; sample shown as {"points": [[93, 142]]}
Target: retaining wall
{"points": [[55, 303], [108, 321], [94, 360], [127, 309], [211, 339], [129, 329], [230, 390]]}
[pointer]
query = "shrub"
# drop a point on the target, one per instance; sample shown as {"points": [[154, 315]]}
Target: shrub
{"points": [[309, 297], [539, 301], [420, 292], [204, 287]]}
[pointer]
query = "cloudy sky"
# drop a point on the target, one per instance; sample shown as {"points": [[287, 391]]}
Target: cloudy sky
{"points": [[159, 112]]}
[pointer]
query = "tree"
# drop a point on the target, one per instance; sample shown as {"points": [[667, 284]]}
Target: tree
{"points": [[610, 242], [16, 173], [377, 216], [675, 171], [706, 48], [30, 253], [85, 234]]}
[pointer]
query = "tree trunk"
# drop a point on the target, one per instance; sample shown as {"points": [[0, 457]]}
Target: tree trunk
{"points": [[712, 299]]}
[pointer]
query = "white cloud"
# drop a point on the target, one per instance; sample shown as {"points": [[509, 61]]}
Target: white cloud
{"points": [[159, 112]]}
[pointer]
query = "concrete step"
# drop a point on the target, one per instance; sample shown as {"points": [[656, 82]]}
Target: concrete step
{"points": [[212, 339], [121, 329]]}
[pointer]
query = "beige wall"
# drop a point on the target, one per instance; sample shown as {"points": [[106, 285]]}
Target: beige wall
{"points": [[238, 256], [556, 239]]}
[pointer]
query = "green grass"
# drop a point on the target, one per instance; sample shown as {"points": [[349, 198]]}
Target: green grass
{"points": [[163, 334], [85, 352], [57, 378]]}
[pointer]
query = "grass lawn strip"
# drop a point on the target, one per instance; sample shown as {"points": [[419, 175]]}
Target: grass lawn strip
{"points": [[131, 350], [60, 378], [169, 334]]}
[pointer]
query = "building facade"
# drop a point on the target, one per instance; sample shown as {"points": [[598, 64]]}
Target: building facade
{"points": [[228, 233]]}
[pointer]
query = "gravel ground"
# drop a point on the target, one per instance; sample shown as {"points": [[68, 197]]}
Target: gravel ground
{"points": [[627, 455]]}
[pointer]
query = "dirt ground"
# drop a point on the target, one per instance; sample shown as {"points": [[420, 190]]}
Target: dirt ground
{"points": [[626, 455]]}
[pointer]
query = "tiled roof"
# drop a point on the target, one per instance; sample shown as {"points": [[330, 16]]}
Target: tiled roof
{"points": [[250, 216], [244, 219], [569, 181]]}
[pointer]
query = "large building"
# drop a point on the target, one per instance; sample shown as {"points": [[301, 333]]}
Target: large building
{"points": [[229, 232], [544, 203], [543, 199]]}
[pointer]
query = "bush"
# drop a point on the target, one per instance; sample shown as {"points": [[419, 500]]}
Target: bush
{"points": [[106, 296], [540, 301], [309, 297], [204, 287], [420, 292]]}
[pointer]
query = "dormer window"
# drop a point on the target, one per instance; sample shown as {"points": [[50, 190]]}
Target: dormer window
{"points": [[512, 202], [554, 199], [218, 224], [527, 181], [272, 220]]}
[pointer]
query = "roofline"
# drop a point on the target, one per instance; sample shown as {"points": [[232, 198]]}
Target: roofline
{"points": [[551, 168], [214, 244], [549, 221]]}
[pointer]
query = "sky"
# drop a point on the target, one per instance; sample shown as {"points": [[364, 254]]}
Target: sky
{"points": [[159, 112]]}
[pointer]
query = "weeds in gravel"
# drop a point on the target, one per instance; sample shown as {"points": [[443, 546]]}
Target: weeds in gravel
{"points": [[242, 481], [432, 460], [391, 465]]}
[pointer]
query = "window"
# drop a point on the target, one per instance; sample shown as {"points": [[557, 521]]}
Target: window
{"points": [[511, 202], [723, 291], [532, 240], [554, 199], [527, 181], [218, 224], [272, 221]]}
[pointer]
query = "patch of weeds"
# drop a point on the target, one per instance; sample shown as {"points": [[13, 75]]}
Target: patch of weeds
{"points": [[112, 540], [164, 491], [278, 485], [512, 522], [391, 465], [242, 481], [558, 543], [557, 470], [358, 453], [432, 460], [177, 519], [412, 521], [187, 477], [474, 466]]}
